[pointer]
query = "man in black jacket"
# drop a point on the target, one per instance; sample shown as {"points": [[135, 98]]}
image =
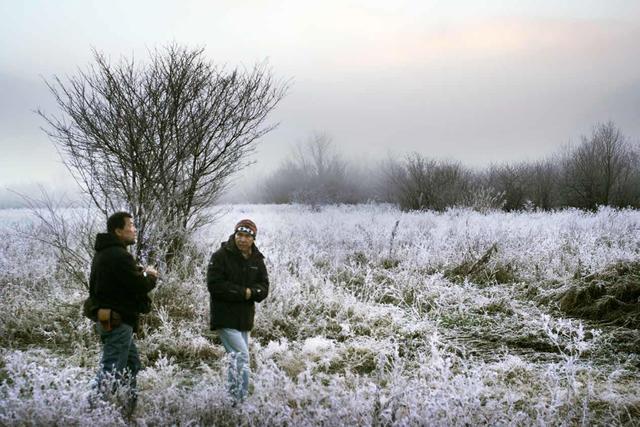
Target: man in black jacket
{"points": [[237, 279], [118, 289]]}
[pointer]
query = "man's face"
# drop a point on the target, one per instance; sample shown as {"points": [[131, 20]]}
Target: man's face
{"points": [[243, 241], [128, 233]]}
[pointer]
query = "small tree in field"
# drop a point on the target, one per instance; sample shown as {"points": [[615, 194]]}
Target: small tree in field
{"points": [[160, 139], [509, 180], [601, 170], [419, 183], [542, 183], [313, 174]]}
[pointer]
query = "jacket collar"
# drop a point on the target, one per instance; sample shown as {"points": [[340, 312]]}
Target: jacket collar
{"points": [[106, 240]]}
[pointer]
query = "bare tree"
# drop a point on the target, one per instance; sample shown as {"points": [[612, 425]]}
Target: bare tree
{"points": [[313, 174], [542, 183], [510, 180], [450, 183], [419, 183], [160, 139], [600, 171], [408, 181]]}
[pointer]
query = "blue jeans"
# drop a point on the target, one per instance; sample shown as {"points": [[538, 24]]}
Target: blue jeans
{"points": [[119, 363], [237, 345]]}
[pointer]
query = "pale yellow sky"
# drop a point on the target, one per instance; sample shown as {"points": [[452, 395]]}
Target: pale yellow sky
{"points": [[476, 81]]}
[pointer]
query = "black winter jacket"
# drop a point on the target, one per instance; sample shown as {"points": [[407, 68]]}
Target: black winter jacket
{"points": [[228, 276], [117, 282]]}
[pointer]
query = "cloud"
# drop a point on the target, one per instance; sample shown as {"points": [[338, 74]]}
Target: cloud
{"points": [[465, 79]]}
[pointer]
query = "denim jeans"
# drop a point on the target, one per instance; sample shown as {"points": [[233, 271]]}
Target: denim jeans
{"points": [[237, 345], [119, 363]]}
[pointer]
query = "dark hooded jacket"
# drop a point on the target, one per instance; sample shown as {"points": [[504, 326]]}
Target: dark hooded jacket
{"points": [[228, 276], [117, 282]]}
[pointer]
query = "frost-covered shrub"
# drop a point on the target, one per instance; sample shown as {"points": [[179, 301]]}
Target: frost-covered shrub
{"points": [[40, 389]]}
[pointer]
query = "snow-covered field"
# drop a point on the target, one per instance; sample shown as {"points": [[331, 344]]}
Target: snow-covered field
{"points": [[375, 317]]}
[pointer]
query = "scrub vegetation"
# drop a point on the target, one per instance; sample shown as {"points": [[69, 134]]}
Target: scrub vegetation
{"points": [[603, 169], [375, 317]]}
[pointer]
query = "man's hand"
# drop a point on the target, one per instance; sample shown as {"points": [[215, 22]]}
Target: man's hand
{"points": [[104, 317], [151, 272], [247, 294]]}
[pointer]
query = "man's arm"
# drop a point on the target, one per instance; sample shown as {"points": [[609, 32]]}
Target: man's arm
{"points": [[127, 271], [218, 284], [260, 289]]}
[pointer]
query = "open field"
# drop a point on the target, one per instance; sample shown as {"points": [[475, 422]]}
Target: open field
{"points": [[375, 317]]}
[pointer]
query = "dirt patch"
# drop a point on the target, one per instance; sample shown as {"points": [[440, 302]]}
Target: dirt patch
{"points": [[611, 296]]}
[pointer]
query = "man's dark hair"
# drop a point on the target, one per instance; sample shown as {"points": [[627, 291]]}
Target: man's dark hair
{"points": [[117, 220]]}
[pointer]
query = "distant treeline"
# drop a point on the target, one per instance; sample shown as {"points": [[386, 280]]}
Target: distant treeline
{"points": [[603, 169]]}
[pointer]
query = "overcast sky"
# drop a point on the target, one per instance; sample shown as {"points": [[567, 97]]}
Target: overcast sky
{"points": [[476, 81]]}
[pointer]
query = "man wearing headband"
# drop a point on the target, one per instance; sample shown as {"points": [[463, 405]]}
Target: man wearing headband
{"points": [[237, 279]]}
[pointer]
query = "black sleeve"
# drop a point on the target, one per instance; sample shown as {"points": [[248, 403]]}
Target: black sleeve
{"points": [[220, 287], [127, 271], [260, 289]]}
